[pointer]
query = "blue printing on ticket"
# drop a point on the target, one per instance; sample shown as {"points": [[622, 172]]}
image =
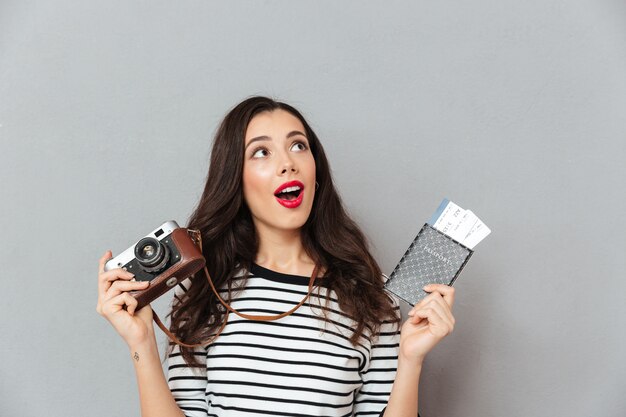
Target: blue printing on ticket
{"points": [[438, 212]]}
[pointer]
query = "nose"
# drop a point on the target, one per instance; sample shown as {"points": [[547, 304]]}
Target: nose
{"points": [[288, 165], [292, 169]]}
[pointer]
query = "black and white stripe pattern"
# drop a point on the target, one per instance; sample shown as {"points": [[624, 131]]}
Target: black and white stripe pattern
{"points": [[294, 366]]}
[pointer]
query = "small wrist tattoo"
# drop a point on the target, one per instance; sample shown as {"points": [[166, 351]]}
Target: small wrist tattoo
{"points": [[136, 356]]}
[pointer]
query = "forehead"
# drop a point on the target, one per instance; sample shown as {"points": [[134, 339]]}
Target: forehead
{"points": [[275, 123]]}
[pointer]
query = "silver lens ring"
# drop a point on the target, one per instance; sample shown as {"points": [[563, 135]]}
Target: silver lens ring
{"points": [[151, 254]]}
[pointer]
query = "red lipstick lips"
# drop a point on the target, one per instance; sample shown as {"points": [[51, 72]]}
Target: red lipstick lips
{"points": [[290, 203]]}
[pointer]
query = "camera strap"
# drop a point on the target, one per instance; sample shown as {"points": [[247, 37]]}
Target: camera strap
{"points": [[264, 318], [197, 239]]}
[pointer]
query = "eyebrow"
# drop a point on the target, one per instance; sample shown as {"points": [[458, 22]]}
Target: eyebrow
{"points": [[261, 138]]}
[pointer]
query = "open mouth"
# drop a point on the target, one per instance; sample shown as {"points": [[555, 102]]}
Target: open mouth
{"points": [[290, 194]]}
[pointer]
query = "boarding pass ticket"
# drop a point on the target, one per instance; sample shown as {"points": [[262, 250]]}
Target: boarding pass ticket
{"points": [[460, 224]]}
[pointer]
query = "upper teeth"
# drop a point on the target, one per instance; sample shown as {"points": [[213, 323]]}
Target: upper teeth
{"points": [[290, 189]]}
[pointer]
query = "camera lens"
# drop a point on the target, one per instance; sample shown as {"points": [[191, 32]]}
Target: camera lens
{"points": [[151, 254]]}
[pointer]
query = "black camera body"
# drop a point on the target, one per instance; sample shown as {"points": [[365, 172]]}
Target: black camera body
{"points": [[150, 256]]}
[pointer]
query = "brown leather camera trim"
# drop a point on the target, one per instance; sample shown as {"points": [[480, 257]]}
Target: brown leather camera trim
{"points": [[191, 261]]}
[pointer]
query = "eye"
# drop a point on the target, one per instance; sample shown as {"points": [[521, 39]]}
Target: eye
{"points": [[260, 152], [299, 146]]}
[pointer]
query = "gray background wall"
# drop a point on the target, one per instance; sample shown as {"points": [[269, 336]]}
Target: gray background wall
{"points": [[512, 109]]}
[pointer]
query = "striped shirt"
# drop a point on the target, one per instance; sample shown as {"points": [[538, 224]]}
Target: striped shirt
{"points": [[295, 366]]}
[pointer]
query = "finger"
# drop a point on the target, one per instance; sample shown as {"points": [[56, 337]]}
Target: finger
{"points": [[115, 274], [106, 278], [426, 313], [103, 260], [117, 303], [438, 326], [426, 300], [446, 291], [119, 287], [131, 304], [436, 302], [443, 310]]}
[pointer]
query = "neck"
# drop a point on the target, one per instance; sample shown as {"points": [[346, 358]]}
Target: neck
{"points": [[282, 251]]}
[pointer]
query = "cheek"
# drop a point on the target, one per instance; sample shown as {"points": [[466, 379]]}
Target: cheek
{"points": [[255, 182], [311, 173]]}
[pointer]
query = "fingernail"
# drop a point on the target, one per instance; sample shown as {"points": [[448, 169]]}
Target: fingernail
{"points": [[411, 313], [426, 287]]}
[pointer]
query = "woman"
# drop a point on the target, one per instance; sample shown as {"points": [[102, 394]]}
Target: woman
{"points": [[271, 218]]}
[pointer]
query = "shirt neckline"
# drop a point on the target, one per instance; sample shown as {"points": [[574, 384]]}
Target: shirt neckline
{"points": [[262, 272]]}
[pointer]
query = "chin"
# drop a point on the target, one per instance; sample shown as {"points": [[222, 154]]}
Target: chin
{"points": [[294, 224]]}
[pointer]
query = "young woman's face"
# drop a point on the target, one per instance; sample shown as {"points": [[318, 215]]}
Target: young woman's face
{"points": [[277, 157]]}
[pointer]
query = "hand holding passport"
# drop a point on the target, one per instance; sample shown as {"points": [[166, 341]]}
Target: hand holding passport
{"points": [[438, 253]]}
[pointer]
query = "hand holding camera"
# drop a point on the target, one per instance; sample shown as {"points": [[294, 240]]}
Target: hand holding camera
{"points": [[143, 272], [117, 305]]}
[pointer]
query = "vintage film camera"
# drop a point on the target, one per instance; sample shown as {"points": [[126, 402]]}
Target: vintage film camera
{"points": [[164, 257]]}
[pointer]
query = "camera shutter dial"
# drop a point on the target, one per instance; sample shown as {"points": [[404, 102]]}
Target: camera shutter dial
{"points": [[151, 254]]}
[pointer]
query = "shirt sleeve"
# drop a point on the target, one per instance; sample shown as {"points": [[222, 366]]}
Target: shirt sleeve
{"points": [[188, 385], [380, 371]]}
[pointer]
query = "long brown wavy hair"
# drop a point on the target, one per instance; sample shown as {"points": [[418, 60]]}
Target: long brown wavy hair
{"points": [[329, 236]]}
